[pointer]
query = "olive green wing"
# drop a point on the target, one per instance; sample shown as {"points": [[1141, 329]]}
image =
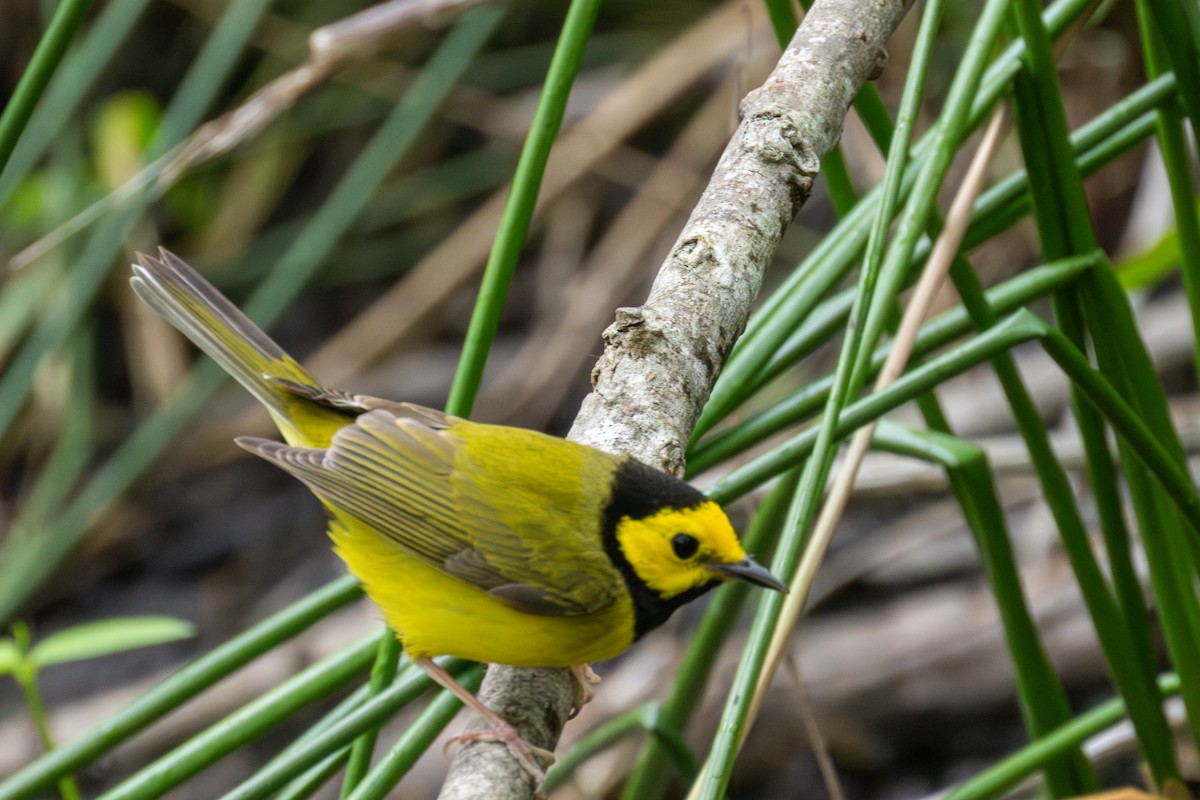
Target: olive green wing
{"points": [[493, 522]]}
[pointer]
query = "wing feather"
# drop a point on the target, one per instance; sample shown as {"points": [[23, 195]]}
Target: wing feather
{"points": [[408, 476]]}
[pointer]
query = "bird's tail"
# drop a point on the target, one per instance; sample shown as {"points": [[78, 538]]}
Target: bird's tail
{"points": [[194, 306]]}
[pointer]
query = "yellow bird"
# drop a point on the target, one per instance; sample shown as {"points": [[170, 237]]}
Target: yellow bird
{"points": [[486, 542]]}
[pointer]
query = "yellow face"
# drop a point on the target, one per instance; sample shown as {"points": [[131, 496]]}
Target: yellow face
{"points": [[675, 550]]}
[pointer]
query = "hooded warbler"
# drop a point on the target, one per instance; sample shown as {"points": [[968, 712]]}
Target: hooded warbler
{"points": [[487, 542]]}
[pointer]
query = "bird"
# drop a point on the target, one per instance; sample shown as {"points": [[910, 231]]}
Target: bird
{"points": [[487, 542]]}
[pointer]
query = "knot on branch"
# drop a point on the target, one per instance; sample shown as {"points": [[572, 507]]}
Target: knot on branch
{"points": [[635, 332], [696, 256], [881, 61], [774, 137]]}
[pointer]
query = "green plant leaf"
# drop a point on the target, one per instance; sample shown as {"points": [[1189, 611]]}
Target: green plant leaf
{"points": [[9, 657], [121, 132], [107, 636], [1147, 267]]}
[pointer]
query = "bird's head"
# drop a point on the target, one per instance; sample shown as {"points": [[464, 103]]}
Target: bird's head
{"points": [[676, 550]]}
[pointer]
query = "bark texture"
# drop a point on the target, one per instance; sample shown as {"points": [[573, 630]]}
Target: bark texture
{"points": [[661, 359]]}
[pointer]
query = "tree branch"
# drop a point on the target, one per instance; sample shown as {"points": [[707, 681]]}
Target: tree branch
{"points": [[661, 359]]}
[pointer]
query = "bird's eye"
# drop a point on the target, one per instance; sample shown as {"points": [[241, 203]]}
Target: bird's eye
{"points": [[684, 546]]}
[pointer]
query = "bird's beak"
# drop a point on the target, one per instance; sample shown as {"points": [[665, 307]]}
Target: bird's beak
{"points": [[750, 571]]}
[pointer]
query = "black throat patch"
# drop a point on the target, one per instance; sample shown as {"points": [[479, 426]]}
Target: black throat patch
{"points": [[639, 491]]}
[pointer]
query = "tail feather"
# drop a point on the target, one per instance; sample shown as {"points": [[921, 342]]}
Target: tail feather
{"points": [[190, 303]]}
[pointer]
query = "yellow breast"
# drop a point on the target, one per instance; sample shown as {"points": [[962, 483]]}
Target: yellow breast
{"points": [[436, 614]]}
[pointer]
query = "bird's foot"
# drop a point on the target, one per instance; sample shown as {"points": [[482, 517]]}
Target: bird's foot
{"points": [[585, 679]]}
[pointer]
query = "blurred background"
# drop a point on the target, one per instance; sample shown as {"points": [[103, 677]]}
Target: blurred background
{"points": [[115, 499]]}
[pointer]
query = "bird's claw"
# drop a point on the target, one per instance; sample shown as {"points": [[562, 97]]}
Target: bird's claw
{"points": [[585, 679]]}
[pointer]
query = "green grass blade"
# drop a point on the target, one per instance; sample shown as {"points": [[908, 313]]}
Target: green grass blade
{"points": [[792, 335], [411, 684], [37, 73], [297, 265], [315, 777], [600, 739], [181, 687], [383, 674], [1044, 703], [831, 259], [1107, 493], [893, 179], [1116, 641], [518, 211], [22, 570], [938, 332], [247, 723], [112, 635], [1179, 25], [1064, 227], [1005, 774], [211, 67], [320, 772], [1004, 336], [417, 738], [66, 91], [1172, 141], [60, 473], [1130, 423]]}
